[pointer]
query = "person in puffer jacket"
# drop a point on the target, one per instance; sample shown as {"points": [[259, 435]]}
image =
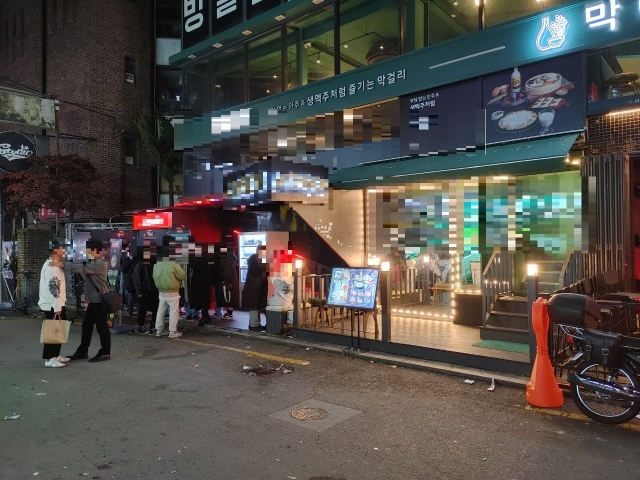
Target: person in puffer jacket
{"points": [[167, 276]]}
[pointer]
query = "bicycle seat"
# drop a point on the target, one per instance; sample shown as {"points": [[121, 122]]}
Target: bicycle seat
{"points": [[631, 342]]}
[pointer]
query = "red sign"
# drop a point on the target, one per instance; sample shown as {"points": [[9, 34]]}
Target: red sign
{"points": [[48, 214], [149, 221]]}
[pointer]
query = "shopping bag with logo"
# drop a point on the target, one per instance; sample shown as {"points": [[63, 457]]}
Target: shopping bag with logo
{"points": [[55, 331]]}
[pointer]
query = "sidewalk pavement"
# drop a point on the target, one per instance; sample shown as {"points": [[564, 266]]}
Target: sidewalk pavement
{"points": [[372, 356]]}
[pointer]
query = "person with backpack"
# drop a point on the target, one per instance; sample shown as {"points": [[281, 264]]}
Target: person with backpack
{"points": [[147, 294]]}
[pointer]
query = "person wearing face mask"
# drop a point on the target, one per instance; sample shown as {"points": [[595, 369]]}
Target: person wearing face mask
{"points": [[53, 296], [254, 294], [94, 270]]}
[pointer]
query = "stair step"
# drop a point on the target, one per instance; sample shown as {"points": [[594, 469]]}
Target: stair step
{"points": [[504, 334], [510, 314]]}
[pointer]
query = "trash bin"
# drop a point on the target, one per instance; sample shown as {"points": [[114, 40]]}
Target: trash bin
{"points": [[277, 318]]}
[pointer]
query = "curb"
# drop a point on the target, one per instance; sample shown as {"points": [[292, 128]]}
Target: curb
{"points": [[486, 376]]}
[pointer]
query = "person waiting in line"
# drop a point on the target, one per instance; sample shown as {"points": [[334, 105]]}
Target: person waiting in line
{"points": [[127, 265], [168, 276], [94, 270], [199, 285], [254, 294], [53, 296], [226, 282], [147, 293]]}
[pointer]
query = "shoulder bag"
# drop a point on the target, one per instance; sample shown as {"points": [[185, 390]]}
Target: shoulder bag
{"points": [[111, 301]]}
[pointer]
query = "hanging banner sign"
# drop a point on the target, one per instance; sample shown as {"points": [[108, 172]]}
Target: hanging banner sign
{"points": [[48, 214], [27, 109]]}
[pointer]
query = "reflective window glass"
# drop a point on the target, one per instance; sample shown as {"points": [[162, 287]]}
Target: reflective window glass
{"points": [[264, 73], [228, 78], [448, 19], [310, 45], [368, 32], [196, 85], [502, 11], [614, 75]]}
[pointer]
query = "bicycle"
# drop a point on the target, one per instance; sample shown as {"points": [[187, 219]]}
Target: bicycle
{"points": [[13, 293]]}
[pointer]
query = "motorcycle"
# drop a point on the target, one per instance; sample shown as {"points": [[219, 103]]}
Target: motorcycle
{"points": [[605, 382]]}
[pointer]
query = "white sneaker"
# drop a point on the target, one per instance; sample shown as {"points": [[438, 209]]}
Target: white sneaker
{"points": [[54, 363], [175, 334], [62, 359], [162, 333]]}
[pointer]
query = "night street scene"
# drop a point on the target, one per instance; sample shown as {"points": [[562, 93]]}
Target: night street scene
{"points": [[320, 239]]}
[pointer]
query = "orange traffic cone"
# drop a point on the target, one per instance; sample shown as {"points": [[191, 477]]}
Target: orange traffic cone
{"points": [[542, 389]]}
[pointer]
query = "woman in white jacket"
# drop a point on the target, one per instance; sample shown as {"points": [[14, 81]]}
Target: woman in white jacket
{"points": [[53, 296]]}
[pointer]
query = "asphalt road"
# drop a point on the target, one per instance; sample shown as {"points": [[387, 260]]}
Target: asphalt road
{"points": [[186, 409]]}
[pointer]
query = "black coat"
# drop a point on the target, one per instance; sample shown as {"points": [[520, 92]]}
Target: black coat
{"points": [[199, 284], [143, 279], [254, 295], [226, 274]]}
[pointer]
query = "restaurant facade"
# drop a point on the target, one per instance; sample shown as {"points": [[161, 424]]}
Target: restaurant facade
{"points": [[457, 141]]}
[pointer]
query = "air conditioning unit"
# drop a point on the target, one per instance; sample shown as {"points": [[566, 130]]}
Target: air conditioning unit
{"points": [[131, 78]]}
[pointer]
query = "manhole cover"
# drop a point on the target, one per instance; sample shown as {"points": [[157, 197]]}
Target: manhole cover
{"points": [[309, 413]]}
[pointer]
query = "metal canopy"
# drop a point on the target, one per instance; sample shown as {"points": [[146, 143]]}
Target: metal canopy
{"points": [[533, 156]]}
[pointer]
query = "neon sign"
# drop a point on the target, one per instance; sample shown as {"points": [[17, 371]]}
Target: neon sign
{"points": [[552, 34]]}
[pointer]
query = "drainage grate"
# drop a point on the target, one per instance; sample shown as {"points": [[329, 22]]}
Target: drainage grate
{"points": [[309, 413]]}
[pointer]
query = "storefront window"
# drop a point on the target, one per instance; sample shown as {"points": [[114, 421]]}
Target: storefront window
{"points": [[168, 89], [502, 11], [264, 74], [446, 20], [310, 45], [368, 32], [228, 78], [196, 86], [614, 76]]}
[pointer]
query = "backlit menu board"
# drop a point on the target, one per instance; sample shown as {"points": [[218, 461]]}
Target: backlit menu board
{"points": [[353, 288]]}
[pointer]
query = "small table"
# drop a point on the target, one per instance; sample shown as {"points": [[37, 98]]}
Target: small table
{"points": [[437, 289]]}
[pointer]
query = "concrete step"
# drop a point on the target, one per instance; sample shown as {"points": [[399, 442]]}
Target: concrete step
{"points": [[499, 319], [504, 334], [511, 304]]}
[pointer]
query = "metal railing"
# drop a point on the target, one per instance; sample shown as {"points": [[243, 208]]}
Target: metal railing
{"points": [[572, 269], [496, 279]]}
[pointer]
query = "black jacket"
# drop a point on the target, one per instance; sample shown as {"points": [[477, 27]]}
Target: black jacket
{"points": [[199, 284], [254, 295], [143, 279], [226, 279]]}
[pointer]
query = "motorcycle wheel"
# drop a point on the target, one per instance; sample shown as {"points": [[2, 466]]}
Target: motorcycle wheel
{"points": [[600, 406]]}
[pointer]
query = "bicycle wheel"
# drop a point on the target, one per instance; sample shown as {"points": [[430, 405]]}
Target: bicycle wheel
{"points": [[601, 406]]}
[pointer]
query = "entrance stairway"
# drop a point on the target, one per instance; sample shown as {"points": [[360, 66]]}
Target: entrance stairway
{"points": [[508, 318]]}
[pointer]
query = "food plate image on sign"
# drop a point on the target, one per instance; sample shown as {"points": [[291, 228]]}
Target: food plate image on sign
{"points": [[534, 100], [353, 288]]}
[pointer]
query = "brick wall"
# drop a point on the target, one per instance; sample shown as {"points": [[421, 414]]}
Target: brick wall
{"points": [[614, 133], [33, 250], [87, 41]]}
